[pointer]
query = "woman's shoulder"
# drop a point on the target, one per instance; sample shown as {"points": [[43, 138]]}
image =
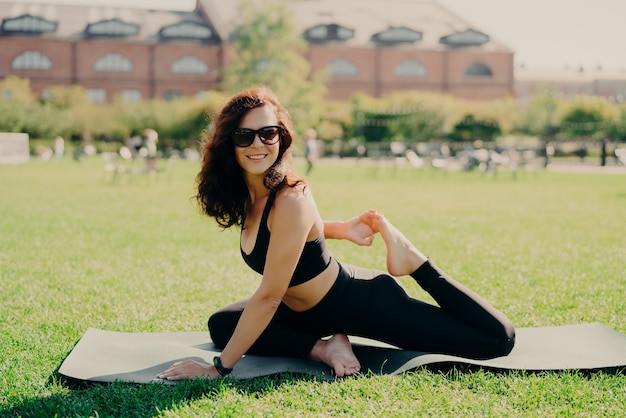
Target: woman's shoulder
{"points": [[296, 191], [292, 197]]}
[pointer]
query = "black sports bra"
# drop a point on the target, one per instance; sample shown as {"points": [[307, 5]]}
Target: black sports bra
{"points": [[314, 259]]}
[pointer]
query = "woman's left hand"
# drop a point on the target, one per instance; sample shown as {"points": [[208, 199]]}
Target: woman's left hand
{"points": [[189, 369]]}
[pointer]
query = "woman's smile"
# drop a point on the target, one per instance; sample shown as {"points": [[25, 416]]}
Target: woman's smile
{"points": [[256, 157]]}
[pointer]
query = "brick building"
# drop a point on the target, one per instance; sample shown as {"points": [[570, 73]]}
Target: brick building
{"points": [[370, 46]]}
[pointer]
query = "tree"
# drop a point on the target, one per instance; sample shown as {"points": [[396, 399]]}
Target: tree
{"points": [[16, 90], [617, 130], [541, 116], [580, 122], [409, 116], [267, 50], [471, 128]]}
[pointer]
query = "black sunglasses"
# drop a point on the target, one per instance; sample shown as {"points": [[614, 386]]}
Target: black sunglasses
{"points": [[244, 137]]}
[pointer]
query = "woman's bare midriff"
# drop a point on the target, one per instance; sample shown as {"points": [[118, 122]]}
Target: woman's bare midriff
{"points": [[306, 295]]}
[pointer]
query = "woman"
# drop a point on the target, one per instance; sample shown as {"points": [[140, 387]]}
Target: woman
{"points": [[305, 295]]}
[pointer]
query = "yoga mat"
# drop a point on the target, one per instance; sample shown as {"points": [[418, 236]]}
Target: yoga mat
{"points": [[107, 356]]}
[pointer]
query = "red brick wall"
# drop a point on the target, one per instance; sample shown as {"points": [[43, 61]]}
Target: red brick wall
{"points": [[59, 53], [73, 62], [444, 71]]}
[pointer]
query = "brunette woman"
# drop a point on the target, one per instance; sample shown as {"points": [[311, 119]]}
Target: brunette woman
{"points": [[307, 302]]}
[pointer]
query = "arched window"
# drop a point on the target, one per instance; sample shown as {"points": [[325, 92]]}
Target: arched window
{"points": [[189, 65], [466, 38], [27, 24], [113, 63], [478, 70], [317, 32], [112, 27], [395, 35], [410, 68], [186, 30], [31, 60], [342, 67], [332, 32]]}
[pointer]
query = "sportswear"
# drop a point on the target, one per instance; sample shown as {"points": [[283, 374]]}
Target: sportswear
{"points": [[314, 259]]}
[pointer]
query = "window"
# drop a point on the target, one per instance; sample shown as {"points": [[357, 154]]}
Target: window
{"points": [[131, 95], [478, 70], [28, 24], [332, 32], [394, 35], [186, 30], [466, 38], [319, 32], [114, 63], [31, 60], [171, 95], [342, 67], [189, 65], [97, 95], [111, 27], [410, 68]]}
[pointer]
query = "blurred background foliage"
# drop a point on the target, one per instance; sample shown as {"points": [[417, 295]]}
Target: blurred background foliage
{"points": [[265, 52]]}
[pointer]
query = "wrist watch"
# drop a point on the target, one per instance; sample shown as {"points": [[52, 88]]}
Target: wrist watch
{"points": [[223, 371]]}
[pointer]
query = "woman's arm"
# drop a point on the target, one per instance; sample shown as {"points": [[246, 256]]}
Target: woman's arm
{"points": [[294, 215], [292, 219], [357, 229]]}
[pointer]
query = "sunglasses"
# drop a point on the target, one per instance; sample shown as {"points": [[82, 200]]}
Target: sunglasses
{"points": [[243, 137]]}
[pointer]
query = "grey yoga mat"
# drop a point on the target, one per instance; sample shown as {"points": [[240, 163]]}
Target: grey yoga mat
{"points": [[107, 356]]}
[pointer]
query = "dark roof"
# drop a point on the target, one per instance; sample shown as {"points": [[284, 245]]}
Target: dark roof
{"points": [[363, 23], [368, 18], [73, 22]]}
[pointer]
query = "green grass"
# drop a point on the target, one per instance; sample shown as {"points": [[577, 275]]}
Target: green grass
{"points": [[78, 251]]}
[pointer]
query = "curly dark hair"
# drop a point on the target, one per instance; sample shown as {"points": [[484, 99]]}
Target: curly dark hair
{"points": [[222, 191]]}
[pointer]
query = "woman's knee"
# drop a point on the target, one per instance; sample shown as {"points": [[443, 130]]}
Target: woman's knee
{"points": [[509, 342], [502, 345], [221, 327]]}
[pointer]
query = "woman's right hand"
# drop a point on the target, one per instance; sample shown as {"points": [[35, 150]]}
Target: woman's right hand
{"points": [[190, 369]]}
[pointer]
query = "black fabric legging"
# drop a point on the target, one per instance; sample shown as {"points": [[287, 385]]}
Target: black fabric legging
{"points": [[369, 303]]}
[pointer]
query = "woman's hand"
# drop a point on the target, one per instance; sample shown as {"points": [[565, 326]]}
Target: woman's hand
{"points": [[189, 369], [359, 229]]}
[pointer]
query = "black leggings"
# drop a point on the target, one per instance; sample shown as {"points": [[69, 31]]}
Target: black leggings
{"points": [[372, 304]]}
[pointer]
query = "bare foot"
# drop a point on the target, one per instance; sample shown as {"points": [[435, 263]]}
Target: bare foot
{"points": [[402, 256], [337, 353]]}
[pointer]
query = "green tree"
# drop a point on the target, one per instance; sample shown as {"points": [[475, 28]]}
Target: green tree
{"points": [[581, 122], [589, 117], [67, 97], [15, 100], [617, 130], [406, 116], [267, 50], [541, 115], [471, 128]]}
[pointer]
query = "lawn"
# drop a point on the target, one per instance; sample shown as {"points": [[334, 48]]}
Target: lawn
{"points": [[78, 250]]}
